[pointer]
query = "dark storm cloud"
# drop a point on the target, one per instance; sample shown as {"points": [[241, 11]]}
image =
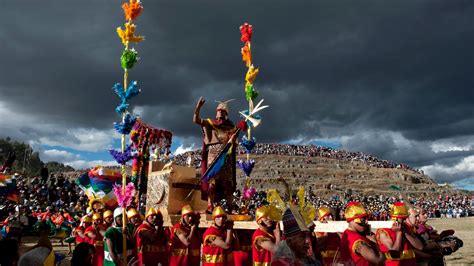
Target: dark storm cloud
{"points": [[328, 68]]}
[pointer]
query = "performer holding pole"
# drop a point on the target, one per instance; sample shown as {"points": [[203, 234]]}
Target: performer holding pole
{"points": [[217, 134]]}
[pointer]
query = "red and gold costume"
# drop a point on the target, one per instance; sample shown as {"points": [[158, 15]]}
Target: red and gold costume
{"points": [[261, 256], [351, 240], [78, 233], [180, 253], [97, 240], [332, 241], [152, 244], [213, 255], [407, 254]]}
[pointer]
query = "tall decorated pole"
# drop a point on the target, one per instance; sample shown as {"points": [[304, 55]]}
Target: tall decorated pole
{"points": [[253, 119], [128, 90]]}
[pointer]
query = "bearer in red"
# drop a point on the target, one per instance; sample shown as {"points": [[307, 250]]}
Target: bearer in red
{"points": [[185, 242], [397, 243], [152, 240], [328, 242], [95, 236], [356, 248], [218, 241], [265, 238]]}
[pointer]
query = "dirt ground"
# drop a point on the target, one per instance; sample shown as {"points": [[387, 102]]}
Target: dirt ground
{"points": [[464, 230]]}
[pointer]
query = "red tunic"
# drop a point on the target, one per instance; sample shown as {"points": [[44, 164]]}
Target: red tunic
{"points": [[180, 253], [260, 255], [330, 248], [407, 256], [98, 243], [243, 251], [350, 241], [213, 255], [152, 252], [79, 239]]}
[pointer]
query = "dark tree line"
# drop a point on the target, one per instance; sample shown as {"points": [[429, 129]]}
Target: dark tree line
{"points": [[27, 161]]}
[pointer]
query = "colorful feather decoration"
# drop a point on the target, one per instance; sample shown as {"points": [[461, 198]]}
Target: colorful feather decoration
{"points": [[122, 157], [249, 192], [246, 31], [128, 35], [132, 10], [127, 125], [129, 58], [246, 166], [124, 200], [248, 144], [131, 92]]}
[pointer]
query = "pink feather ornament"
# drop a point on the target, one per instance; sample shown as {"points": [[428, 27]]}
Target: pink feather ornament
{"points": [[249, 192], [124, 200]]}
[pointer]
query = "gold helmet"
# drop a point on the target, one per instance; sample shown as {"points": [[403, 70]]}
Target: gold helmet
{"points": [[354, 211], [262, 212], [398, 210], [152, 211], [98, 202], [274, 213], [87, 219], [218, 212], [132, 213], [187, 209], [97, 216], [323, 212], [108, 213]]}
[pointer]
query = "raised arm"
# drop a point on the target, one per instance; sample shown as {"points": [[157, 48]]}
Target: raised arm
{"points": [[196, 117]]}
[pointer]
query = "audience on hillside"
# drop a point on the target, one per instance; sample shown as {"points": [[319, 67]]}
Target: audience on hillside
{"points": [[194, 157]]}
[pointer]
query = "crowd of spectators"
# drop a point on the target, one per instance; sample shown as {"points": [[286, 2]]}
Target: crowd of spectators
{"points": [[194, 157], [444, 206], [41, 198]]}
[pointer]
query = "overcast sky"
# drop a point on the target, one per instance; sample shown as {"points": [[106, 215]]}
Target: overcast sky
{"points": [[389, 78]]}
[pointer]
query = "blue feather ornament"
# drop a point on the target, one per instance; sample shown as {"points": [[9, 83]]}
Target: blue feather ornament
{"points": [[124, 96], [127, 125], [248, 144]]}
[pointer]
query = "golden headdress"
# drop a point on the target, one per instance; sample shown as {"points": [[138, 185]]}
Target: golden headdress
{"points": [[398, 210], [354, 211], [218, 212]]}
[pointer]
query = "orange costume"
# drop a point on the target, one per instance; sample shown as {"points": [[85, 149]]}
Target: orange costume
{"points": [[214, 255], [152, 244], [180, 253]]}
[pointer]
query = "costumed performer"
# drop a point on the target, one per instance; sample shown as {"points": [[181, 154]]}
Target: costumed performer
{"points": [[216, 134], [217, 243], [356, 247], [398, 242], [152, 240], [265, 238], [185, 241]]}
